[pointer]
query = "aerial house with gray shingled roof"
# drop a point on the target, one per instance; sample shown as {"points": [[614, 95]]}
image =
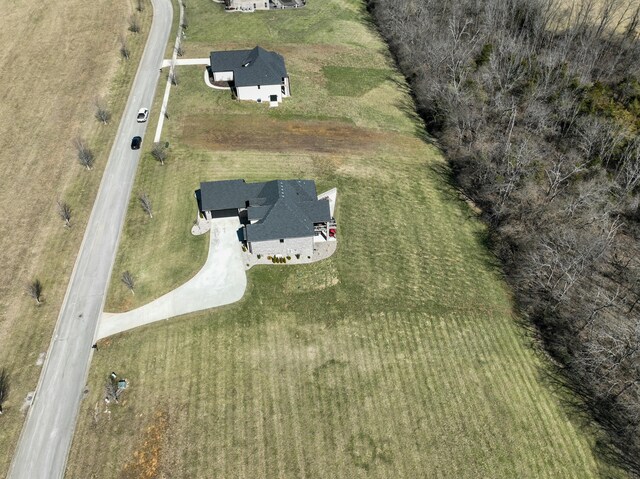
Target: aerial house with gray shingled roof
{"points": [[257, 75], [280, 217]]}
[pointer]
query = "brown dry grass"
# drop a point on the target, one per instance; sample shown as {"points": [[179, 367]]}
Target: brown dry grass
{"points": [[56, 57], [233, 132], [146, 458], [620, 12]]}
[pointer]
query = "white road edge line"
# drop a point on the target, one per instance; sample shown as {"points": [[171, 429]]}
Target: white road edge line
{"points": [[167, 88]]}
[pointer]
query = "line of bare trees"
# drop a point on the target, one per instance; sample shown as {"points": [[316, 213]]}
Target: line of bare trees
{"points": [[536, 104]]}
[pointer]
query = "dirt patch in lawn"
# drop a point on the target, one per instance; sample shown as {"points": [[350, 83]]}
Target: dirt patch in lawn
{"points": [[146, 458], [244, 132]]}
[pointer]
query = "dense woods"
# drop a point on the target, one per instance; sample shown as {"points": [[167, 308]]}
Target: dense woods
{"points": [[536, 104]]}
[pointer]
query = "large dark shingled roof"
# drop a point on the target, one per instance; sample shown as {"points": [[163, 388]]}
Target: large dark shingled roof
{"points": [[250, 67], [282, 208]]}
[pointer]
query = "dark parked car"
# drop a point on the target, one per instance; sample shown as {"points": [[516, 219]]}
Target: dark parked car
{"points": [[136, 142]]}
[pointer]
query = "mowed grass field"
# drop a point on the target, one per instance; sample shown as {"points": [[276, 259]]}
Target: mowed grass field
{"points": [[57, 57], [398, 357]]}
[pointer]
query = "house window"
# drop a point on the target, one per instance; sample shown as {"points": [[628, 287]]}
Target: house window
{"points": [[281, 241]]}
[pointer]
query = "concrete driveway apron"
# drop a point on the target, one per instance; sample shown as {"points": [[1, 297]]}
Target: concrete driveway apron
{"points": [[222, 280]]}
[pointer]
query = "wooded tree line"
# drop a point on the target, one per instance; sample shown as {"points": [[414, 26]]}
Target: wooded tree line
{"points": [[536, 104]]}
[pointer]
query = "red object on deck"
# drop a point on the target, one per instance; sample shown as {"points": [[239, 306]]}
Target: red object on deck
{"points": [[332, 232]]}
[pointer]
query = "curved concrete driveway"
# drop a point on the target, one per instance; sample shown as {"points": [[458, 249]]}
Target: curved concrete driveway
{"points": [[46, 436], [222, 280]]}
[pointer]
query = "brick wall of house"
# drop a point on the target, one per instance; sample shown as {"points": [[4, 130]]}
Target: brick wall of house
{"points": [[289, 247]]}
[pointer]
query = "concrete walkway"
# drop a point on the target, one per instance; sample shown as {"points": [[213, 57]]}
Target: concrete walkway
{"points": [[167, 88], [222, 280], [185, 61]]}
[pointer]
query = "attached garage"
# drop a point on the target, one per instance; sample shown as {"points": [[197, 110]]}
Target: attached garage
{"points": [[279, 217]]}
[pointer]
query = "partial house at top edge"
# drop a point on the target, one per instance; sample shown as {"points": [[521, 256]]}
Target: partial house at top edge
{"points": [[253, 5], [256, 75], [279, 217]]}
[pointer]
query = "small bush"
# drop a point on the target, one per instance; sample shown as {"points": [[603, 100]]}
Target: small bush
{"points": [[134, 24], [124, 51], [159, 152]]}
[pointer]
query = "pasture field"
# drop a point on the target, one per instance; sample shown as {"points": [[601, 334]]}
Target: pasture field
{"points": [[57, 57], [398, 357]]}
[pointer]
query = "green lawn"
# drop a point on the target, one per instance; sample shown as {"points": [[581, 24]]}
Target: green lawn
{"points": [[351, 81], [397, 357]]}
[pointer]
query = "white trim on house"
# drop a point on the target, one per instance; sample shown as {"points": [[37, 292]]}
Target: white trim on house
{"points": [[286, 89]]}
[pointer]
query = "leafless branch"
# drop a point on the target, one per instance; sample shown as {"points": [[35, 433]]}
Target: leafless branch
{"points": [[145, 203], [64, 211], [128, 280], [34, 289]]}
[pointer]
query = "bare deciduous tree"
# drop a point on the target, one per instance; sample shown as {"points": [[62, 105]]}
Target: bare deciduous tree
{"points": [[111, 390], [173, 76], [34, 289], [629, 171], [159, 152], [4, 386], [127, 279], [145, 203], [102, 114], [125, 53], [134, 24], [64, 211], [85, 155]]}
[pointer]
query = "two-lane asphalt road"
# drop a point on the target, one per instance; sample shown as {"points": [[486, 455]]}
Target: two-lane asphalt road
{"points": [[46, 437]]}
